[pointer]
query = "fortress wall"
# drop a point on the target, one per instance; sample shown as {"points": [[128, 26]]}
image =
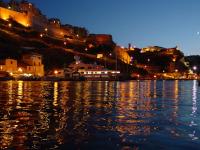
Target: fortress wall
{"points": [[101, 38], [19, 17], [36, 22]]}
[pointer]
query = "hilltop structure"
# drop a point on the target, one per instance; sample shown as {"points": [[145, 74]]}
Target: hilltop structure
{"points": [[24, 19], [28, 15]]}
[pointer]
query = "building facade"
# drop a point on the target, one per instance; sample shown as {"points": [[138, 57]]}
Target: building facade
{"points": [[9, 65], [30, 64], [34, 64]]}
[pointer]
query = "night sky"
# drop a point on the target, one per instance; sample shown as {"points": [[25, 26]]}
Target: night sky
{"points": [[142, 23]]}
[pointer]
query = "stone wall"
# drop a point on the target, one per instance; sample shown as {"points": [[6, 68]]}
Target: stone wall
{"points": [[20, 17], [101, 38]]}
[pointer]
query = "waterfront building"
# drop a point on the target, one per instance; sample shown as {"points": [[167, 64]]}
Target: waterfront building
{"points": [[93, 71], [33, 64], [8, 65], [29, 65]]}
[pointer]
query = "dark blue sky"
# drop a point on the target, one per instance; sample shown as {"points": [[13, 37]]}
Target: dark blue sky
{"points": [[143, 23]]}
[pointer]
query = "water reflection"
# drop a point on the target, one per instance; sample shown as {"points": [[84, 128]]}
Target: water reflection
{"points": [[133, 108], [194, 98], [73, 115], [55, 95], [194, 111]]}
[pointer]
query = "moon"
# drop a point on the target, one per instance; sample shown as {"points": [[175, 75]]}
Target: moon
{"points": [[198, 33]]}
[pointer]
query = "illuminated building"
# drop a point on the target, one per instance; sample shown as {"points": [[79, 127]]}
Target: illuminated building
{"points": [[31, 64]]}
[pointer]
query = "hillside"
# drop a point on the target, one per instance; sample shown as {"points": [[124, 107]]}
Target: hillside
{"points": [[24, 28], [56, 53]]}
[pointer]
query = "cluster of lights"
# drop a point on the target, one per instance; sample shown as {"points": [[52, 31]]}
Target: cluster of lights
{"points": [[101, 72], [27, 74]]}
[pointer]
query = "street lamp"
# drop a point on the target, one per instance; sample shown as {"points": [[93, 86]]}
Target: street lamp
{"points": [[56, 73], [194, 68], [9, 25], [46, 30]]}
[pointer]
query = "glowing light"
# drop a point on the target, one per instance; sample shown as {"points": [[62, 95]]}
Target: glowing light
{"points": [[41, 35], [20, 90], [27, 75], [98, 72], [5, 18], [55, 72], [55, 102], [90, 46], [10, 25], [194, 67], [99, 55], [20, 69], [46, 29]]}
